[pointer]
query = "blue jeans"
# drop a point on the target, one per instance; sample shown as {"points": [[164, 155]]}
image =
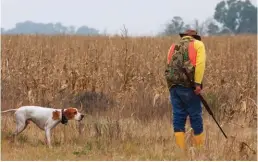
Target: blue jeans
{"points": [[185, 102]]}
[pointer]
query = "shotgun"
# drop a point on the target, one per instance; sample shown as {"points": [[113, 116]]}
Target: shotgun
{"points": [[204, 102]]}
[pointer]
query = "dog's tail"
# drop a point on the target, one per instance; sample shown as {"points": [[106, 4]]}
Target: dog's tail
{"points": [[8, 110]]}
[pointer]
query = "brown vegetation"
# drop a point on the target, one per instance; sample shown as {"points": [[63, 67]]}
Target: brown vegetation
{"points": [[119, 82]]}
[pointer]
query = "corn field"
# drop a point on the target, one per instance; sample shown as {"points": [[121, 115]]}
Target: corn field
{"points": [[119, 83]]}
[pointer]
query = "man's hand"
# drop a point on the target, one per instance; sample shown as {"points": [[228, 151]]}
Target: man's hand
{"points": [[197, 90]]}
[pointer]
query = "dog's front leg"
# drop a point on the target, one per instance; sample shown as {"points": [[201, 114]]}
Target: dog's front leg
{"points": [[47, 131]]}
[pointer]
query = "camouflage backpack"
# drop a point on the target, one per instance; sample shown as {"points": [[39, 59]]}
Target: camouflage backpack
{"points": [[178, 58]]}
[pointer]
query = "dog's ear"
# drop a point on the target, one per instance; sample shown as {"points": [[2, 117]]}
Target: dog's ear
{"points": [[70, 112], [56, 115]]}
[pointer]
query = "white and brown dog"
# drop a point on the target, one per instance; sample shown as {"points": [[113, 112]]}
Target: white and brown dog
{"points": [[45, 118]]}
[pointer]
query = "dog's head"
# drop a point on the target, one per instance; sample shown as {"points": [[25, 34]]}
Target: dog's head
{"points": [[72, 113]]}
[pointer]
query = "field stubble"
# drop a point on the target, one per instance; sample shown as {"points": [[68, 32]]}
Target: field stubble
{"points": [[119, 82]]}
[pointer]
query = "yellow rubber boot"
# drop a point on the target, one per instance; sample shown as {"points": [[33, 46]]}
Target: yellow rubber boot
{"points": [[180, 152], [198, 140], [180, 140]]}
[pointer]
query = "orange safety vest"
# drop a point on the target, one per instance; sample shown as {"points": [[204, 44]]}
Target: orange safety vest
{"points": [[192, 53]]}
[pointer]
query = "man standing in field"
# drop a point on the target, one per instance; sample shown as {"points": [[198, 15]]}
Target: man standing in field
{"points": [[188, 53]]}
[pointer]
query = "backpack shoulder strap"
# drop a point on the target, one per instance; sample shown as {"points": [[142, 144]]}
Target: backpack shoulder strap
{"points": [[192, 53]]}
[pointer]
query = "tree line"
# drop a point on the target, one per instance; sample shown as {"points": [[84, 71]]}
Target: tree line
{"points": [[29, 27], [230, 17]]}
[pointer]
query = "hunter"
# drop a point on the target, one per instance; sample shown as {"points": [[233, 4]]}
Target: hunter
{"points": [[188, 53]]}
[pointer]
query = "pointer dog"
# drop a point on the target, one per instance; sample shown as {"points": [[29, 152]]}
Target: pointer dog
{"points": [[45, 118]]}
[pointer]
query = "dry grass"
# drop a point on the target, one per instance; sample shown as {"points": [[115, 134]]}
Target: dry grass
{"points": [[125, 77]]}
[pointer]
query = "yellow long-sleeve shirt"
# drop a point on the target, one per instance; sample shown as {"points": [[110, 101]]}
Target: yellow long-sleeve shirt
{"points": [[200, 60]]}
